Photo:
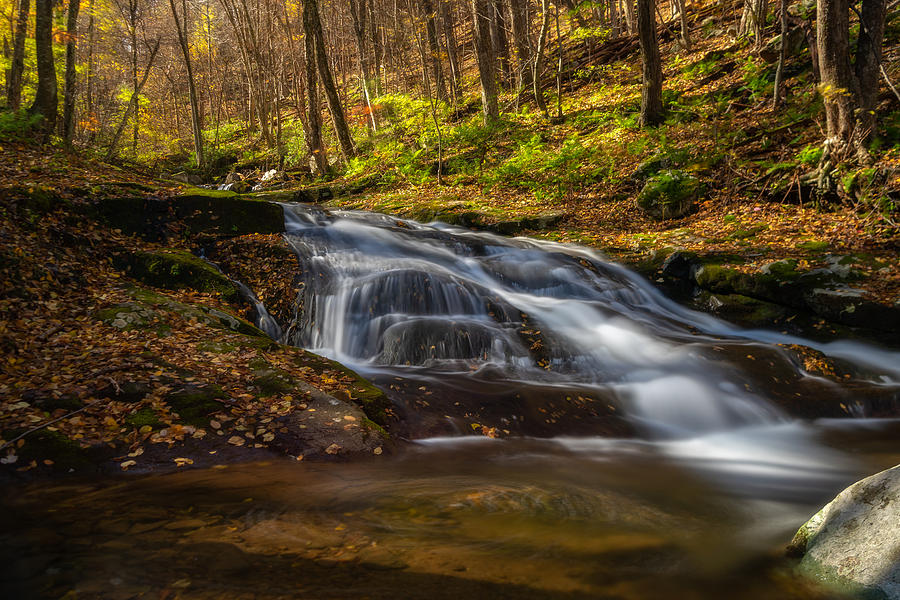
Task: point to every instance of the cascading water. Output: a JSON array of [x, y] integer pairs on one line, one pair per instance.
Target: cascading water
[[538, 338]]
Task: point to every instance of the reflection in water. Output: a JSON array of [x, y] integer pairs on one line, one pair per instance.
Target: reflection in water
[[472, 517]]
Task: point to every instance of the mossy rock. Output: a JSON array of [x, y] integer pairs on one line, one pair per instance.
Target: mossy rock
[[813, 245], [227, 214], [743, 310], [668, 195], [128, 316], [132, 214], [658, 163], [176, 270], [66, 454], [37, 199], [207, 212], [194, 404], [374, 403]]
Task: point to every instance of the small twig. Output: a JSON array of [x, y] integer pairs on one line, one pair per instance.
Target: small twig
[[115, 385], [47, 424], [888, 81]]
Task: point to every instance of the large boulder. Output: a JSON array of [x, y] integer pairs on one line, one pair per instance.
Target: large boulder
[[853, 544]]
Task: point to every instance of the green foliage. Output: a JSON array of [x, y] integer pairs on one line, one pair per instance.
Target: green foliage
[[810, 156], [549, 173], [17, 125], [757, 79], [669, 194]]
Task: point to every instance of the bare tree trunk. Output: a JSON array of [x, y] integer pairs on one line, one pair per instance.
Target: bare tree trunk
[[539, 57], [17, 67], [630, 20], [377, 49], [89, 76], [427, 86], [437, 66], [868, 68], [839, 85], [499, 39], [753, 19], [314, 120], [559, 66], [132, 33], [651, 91], [68, 127], [519, 9], [681, 7], [359, 14], [46, 99], [312, 25], [192, 88], [487, 60], [777, 95], [452, 47]]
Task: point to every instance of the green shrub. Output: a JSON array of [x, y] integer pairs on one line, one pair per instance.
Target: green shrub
[[17, 125]]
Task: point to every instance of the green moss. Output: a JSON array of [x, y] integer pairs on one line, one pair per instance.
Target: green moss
[[194, 405], [143, 417], [813, 245], [272, 381], [217, 347], [206, 193], [176, 269], [65, 453], [370, 399], [783, 269]]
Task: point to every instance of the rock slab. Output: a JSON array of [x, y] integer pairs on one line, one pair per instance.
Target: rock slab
[[853, 543]]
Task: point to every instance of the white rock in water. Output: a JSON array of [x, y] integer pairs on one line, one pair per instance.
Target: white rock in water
[[853, 543]]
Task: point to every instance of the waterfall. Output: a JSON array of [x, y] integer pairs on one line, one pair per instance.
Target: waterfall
[[388, 296]]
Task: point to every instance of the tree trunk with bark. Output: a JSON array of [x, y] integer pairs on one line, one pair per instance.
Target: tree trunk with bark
[[181, 25], [651, 90], [314, 120], [359, 14], [312, 26], [434, 49], [452, 47], [46, 98], [522, 42], [499, 39], [539, 57], [487, 60], [68, 128], [753, 20], [17, 67]]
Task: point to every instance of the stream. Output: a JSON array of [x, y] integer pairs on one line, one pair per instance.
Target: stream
[[571, 432]]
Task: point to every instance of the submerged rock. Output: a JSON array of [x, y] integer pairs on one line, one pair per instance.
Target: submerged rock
[[853, 543]]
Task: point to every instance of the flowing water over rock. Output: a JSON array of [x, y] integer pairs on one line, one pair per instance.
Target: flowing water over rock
[[650, 451], [535, 338]]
